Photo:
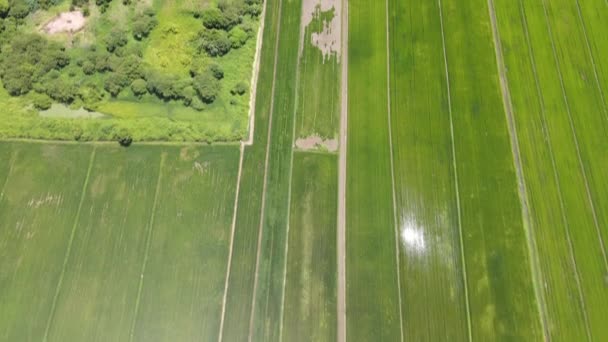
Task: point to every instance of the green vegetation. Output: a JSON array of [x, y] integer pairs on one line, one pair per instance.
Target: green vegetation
[[111, 241], [310, 289], [164, 54], [372, 292], [38, 203], [501, 291], [555, 125], [431, 267], [319, 83]]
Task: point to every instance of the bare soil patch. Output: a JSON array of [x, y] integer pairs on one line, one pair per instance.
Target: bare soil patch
[[315, 142], [329, 39], [66, 22]]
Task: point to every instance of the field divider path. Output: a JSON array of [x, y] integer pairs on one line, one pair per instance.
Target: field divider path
[[456, 186], [341, 228], [232, 231], [574, 133], [148, 243], [521, 180], [593, 64], [265, 183], [69, 248], [293, 140], [390, 145]]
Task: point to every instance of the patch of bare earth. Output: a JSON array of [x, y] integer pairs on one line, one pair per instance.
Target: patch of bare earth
[[315, 142], [66, 22], [329, 39]]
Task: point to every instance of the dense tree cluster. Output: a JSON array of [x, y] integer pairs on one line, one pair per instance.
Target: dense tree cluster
[[85, 76]]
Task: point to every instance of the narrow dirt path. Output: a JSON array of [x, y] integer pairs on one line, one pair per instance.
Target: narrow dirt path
[[521, 182], [341, 231], [392, 159]]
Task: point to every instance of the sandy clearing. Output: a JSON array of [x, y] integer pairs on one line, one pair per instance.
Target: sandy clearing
[[330, 38], [65, 22], [315, 142]]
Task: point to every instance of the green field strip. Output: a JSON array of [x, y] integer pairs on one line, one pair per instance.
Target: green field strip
[[182, 293], [242, 270], [585, 104], [266, 314], [310, 292], [318, 103], [68, 252], [102, 273], [432, 282], [7, 155], [502, 299], [594, 14], [372, 292], [37, 213], [580, 101], [547, 152]]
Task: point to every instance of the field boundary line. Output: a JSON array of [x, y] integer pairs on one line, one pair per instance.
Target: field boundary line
[[565, 97], [69, 248], [456, 186], [8, 173], [593, 64], [554, 164], [265, 183], [573, 127], [342, 168], [519, 170], [148, 243], [293, 139], [114, 143], [390, 144], [232, 231], [254, 77]]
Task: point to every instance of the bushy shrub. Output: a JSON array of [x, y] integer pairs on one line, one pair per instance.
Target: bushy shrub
[[239, 89], [207, 87]]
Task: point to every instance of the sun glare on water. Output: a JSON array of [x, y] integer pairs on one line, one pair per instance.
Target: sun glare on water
[[412, 236]]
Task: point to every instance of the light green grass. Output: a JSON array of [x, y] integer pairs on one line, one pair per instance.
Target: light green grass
[[99, 290], [37, 212], [310, 289], [558, 203], [271, 272], [185, 269], [371, 277], [319, 85], [240, 287], [432, 275], [501, 292]]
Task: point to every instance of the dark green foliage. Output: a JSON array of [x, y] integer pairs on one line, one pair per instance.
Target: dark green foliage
[[214, 42], [139, 87], [161, 85], [217, 71], [42, 102], [115, 82], [238, 37], [214, 18], [143, 25], [26, 59], [116, 39], [207, 87], [239, 89]]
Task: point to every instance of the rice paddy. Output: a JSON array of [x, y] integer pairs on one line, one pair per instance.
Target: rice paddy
[[474, 205]]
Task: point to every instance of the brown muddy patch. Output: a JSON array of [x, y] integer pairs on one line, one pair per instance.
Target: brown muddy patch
[[315, 142]]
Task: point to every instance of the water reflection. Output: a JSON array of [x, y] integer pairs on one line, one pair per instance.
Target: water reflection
[[412, 236]]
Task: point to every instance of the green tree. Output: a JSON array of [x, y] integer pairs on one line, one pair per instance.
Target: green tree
[[207, 87], [139, 87]]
